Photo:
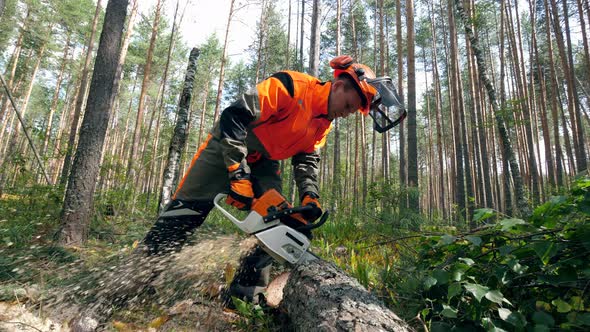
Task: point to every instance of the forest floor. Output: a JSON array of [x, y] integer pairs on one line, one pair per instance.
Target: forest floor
[[185, 296]]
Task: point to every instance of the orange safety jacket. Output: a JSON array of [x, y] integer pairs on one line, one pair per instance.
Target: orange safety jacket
[[293, 118], [284, 116]]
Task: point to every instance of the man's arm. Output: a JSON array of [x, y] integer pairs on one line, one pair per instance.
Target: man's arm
[[306, 171]]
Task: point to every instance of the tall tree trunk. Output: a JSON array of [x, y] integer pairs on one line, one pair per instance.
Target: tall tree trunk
[[438, 103], [414, 203], [180, 133], [553, 100], [522, 93], [572, 96], [152, 167], [124, 49], [223, 56], [400, 80], [79, 99], [288, 46], [262, 32], [523, 207], [143, 94], [581, 157], [336, 171], [55, 99], [455, 110], [79, 199], [314, 42], [11, 143], [13, 63], [551, 169], [302, 31]]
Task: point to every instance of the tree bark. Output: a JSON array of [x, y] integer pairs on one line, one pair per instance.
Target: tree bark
[[319, 296], [56, 94], [142, 95], [79, 100], [222, 69], [414, 203], [400, 81], [79, 199], [314, 47], [508, 152], [180, 134]]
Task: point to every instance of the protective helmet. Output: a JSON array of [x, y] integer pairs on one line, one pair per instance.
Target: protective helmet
[[377, 94], [359, 73]]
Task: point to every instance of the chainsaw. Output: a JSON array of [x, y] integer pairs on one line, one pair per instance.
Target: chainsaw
[[284, 243]]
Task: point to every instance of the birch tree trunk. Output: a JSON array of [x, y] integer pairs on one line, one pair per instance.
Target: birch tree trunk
[[180, 134]]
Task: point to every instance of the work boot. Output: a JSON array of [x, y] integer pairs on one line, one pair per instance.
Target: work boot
[[252, 277], [173, 227]]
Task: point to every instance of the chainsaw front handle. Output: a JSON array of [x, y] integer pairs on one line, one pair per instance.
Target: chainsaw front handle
[[311, 226]]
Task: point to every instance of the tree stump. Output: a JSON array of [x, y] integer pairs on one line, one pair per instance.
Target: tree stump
[[320, 297]]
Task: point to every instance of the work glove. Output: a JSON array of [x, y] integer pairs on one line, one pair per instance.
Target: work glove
[[311, 199], [241, 194]]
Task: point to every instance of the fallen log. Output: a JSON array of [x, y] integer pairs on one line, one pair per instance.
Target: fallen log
[[318, 296]]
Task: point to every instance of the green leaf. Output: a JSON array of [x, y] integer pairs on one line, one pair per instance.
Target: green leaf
[[441, 276], [454, 289], [584, 318], [449, 312], [429, 282], [517, 319], [483, 214], [567, 274], [504, 313], [477, 290], [561, 305], [488, 324], [425, 312], [476, 240], [543, 318], [507, 224], [467, 260], [577, 303], [505, 250], [517, 267], [447, 239], [545, 250], [541, 328], [497, 297], [540, 305], [440, 327]]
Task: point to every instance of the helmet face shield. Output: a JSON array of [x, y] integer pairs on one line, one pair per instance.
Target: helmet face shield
[[385, 99], [386, 91]]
